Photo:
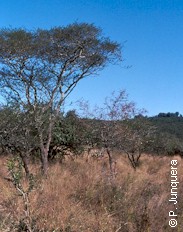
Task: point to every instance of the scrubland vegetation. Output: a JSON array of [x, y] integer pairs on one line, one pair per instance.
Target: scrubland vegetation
[[105, 169], [81, 196]]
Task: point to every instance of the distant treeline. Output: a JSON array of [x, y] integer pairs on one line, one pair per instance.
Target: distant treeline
[[169, 115], [169, 131]]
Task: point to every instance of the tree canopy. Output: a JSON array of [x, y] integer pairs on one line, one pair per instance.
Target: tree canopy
[[37, 66]]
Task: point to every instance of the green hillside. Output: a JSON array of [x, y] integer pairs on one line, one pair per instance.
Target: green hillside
[[169, 131]]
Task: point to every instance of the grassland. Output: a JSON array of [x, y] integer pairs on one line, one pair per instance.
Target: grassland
[[81, 196]]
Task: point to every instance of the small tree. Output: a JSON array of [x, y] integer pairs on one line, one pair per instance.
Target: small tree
[[137, 138], [40, 68], [15, 168], [108, 124], [16, 133]]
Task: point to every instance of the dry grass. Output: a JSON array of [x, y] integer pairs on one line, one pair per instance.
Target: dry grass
[[79, 196]]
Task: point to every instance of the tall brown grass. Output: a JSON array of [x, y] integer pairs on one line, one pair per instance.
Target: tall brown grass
[[80, 196]]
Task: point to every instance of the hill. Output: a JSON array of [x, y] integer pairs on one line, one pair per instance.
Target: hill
[[170, 125], [169, 131]]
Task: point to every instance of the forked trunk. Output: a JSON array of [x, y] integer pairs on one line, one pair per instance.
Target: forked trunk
[[24, 158]]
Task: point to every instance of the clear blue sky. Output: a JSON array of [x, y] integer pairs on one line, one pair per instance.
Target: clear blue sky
[[153, 30]]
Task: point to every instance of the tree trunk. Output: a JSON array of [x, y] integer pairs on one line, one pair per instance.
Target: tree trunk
[[110, 163], [44, 146], [24, 158], [44, 160]]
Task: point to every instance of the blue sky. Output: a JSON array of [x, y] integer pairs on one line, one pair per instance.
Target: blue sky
[[152, 29]]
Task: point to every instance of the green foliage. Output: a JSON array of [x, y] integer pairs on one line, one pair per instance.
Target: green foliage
[[171, 125], [176, 114], [169, 136], [68, 133], [15, 168], [17, 133], [16, 171]]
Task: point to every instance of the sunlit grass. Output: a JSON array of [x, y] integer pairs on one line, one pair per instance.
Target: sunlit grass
[[80, 196]]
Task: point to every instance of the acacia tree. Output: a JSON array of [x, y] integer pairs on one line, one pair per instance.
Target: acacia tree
[[137, 139], [39, 69], [126, 128], [108, 125]]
